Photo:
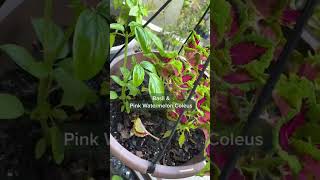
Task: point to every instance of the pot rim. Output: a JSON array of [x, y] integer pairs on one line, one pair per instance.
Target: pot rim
[[141, 165], [308, 37], [8, 7]]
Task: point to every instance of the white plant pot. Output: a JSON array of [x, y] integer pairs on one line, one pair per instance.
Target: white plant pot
[[132, 46], [168, 16], [311, 39]]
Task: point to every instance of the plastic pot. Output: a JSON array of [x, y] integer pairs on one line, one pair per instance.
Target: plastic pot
[[132, 46], [308, 37], [137, 163]]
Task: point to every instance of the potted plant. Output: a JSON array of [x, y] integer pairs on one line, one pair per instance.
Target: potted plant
[[159, 79], [283, 145], [53, 88]]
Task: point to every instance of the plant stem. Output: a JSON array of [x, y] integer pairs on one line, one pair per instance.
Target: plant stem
[[126, 50], [123, 89], [153, 136]]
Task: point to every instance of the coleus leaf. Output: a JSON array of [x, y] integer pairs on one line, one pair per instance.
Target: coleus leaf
[[313, 113], [140, 130], [245, 52], [308, 131], [303, 148], [292, 160], [301, 86], [220, 12]]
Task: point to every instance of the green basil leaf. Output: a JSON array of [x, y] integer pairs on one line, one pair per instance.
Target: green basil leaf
[[156, 40], [103, 8], [130, 3], [138, 75], [117, 80], [125, 72], [55, 37], [10, 107], [133, 90], [117, 26], [134, 11], [59, 114], [90, 45], [117, 3], [113, 95], [75, 92], [142, 38], [112, 39], [22, 58], [148, 66], [156, 86], [41, 147], [115, 177], [57, 144]]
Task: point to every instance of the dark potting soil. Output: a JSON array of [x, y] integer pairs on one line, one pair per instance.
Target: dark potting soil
[[157, 124], [19, 137]]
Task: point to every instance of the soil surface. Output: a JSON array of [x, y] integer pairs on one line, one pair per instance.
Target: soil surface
[[157, 124]]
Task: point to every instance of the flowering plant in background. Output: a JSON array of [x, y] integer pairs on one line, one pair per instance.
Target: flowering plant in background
[[245, 47]]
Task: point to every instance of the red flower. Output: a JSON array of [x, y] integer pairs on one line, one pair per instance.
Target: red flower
[[244, 53]]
